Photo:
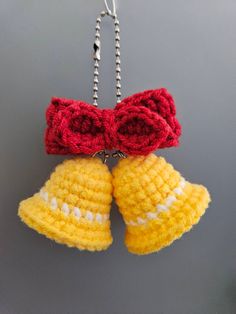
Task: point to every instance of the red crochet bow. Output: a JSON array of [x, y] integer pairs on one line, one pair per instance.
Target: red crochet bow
[[137, 126]]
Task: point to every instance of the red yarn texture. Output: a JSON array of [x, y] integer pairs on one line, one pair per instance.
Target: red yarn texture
[[137, 126]]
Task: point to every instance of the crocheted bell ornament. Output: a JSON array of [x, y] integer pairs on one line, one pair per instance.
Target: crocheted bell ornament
[[158, 205], [73, 206], [137, 126]]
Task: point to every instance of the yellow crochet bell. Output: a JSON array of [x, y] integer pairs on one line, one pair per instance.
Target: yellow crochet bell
[[157, 203], [73, 206]]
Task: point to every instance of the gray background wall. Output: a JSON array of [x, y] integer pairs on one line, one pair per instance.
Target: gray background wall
[[188, 47]]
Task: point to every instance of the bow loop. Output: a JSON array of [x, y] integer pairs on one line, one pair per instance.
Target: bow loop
[[160, 102], [74, 127]]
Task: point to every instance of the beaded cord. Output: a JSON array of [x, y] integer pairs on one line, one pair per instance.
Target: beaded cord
[[97, 55]]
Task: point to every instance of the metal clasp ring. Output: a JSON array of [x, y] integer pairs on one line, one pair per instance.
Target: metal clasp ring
[[110, 12]]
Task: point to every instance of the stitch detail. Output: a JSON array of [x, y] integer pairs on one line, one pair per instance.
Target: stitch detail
[[77, 212], [161, 207]]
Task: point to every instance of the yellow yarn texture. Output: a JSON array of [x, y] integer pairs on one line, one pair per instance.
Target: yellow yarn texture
[[73, 207], [158, 205]]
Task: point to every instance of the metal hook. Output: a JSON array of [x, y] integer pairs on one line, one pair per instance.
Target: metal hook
[[118, 154], [103, 154], [109, 11]]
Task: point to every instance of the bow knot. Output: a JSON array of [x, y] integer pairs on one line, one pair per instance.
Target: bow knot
[[136, 126]]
